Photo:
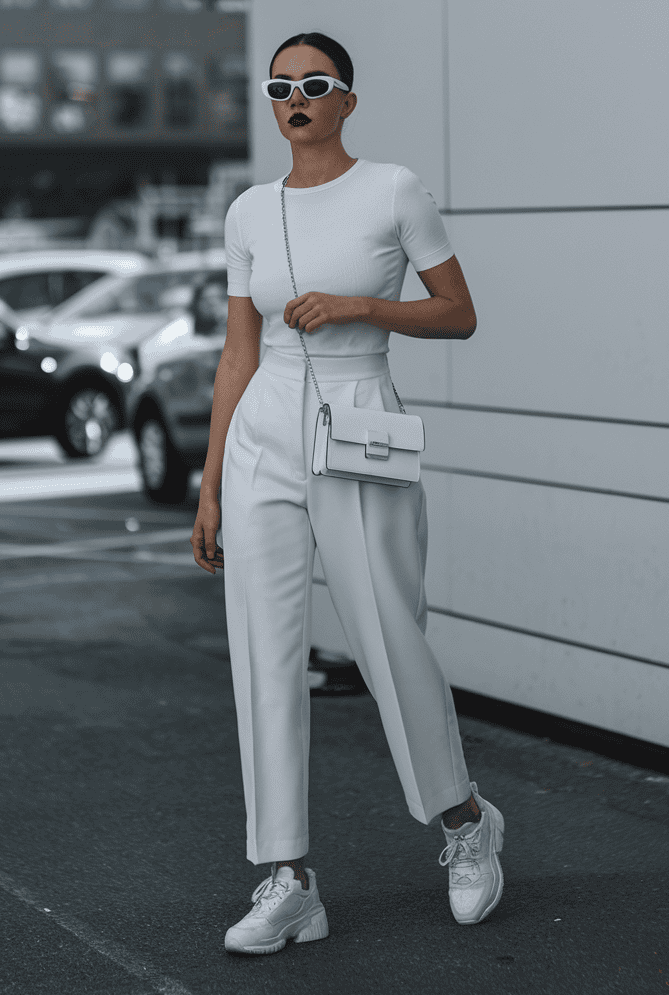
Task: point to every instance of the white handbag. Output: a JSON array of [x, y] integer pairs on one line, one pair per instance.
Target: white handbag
[[362, 443]]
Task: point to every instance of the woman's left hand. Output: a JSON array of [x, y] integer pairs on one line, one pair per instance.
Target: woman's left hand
[[314, 309]]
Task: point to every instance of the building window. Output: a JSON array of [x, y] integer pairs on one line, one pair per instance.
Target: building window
[[73, 85], [227, 88], [20, 104], [128, 77], [180, 88]]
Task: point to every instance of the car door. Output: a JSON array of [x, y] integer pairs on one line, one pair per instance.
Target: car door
[[186, 388], [119, 312], [25, 389]]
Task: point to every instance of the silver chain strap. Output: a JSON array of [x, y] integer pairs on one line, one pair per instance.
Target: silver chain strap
[[290, 264]]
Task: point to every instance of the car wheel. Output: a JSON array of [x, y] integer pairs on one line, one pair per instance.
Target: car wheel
[[164, 473], [87, 422]]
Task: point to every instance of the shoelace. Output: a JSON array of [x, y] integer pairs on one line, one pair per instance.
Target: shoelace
[[266, 894], [462, 848]]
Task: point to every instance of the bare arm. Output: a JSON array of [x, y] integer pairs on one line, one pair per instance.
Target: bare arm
[[238, 362], [448, 314]]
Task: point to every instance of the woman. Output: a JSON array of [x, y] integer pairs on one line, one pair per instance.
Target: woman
[[352, 226]]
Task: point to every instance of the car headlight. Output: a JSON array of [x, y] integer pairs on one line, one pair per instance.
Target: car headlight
[[125, 372], [109, 362]]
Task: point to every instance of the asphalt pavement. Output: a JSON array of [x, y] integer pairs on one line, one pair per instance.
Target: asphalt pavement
[[122, 843]]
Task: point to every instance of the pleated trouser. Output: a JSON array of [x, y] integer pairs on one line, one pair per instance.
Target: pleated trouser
[[372, 542]]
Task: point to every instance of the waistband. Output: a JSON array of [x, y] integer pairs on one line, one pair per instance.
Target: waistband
[[325, 367]]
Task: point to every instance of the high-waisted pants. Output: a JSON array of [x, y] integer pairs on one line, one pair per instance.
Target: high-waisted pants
[[372, 542]]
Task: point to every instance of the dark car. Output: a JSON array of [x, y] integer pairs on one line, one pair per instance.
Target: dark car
[[49, 388]]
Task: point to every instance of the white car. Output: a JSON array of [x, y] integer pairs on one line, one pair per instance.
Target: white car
[[172, 305], [134, 323], [32, 283]]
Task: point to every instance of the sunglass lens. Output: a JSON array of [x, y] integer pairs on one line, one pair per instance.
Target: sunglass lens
[[315, 87], [279, 91]]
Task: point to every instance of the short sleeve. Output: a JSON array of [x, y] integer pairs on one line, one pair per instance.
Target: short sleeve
[[418, 223], [237, 259]]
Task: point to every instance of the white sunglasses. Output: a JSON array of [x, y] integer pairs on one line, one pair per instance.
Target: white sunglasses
[[314, 86]]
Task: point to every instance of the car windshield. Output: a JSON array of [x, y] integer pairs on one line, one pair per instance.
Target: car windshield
[[154, 292]]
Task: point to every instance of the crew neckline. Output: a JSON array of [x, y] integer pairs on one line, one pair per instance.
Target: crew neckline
[[320, 186]]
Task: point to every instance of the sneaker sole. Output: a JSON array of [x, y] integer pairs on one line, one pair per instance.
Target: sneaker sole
[[316, 929]]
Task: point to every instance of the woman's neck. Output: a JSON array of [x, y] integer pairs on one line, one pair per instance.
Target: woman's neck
[[314, 176]]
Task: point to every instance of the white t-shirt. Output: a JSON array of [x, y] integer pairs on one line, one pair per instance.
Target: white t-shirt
[[351, 237]]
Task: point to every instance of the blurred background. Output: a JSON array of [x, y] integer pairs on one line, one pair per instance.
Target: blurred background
[[129, 126], [124, 122]]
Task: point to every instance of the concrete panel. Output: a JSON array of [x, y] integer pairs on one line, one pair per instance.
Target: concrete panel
[[633, 459], [569, 564], [557, 104], [572, 312], [418, 367], [596, 688]]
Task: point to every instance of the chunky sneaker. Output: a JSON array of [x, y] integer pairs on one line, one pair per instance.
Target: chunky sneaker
[[475, 878], [283, 910]]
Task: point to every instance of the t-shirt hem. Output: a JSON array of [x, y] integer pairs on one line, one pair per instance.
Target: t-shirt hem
[[433, 258]]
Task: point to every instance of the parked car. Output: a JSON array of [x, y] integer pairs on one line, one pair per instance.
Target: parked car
[[169, 411], [123, 325], [133, 312], [33, 283], [72, 393]]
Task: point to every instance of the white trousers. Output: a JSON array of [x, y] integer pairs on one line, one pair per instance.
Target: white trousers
[[372, 542]]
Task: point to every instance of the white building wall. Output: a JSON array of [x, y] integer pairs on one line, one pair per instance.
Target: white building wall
[[541, 130]]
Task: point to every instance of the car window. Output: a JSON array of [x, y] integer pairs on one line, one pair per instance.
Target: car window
[[45, 289], [64, 283], [151, 293], [27, 290], [76, 280]]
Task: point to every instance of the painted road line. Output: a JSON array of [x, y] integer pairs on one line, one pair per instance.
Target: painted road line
[[13, 550], [114, 951], [143, 515], [41, 486]]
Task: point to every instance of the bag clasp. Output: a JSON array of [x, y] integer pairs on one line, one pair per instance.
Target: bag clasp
[[376, 446]]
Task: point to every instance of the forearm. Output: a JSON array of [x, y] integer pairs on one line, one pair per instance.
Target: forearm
[[231, 381], [430, 318]]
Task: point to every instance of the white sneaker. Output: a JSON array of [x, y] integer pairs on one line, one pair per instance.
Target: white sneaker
[[475, 878], [283, 910]]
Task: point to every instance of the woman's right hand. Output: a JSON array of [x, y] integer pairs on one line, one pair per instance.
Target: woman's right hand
[[208, 554]]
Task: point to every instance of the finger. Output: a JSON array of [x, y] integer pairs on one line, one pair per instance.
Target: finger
[[203, 563]]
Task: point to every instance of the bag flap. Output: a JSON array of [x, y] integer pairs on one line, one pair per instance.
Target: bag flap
[[348, 424]]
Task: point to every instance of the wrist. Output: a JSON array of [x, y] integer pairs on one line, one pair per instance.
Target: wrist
[[363, 308], [208, 495]]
